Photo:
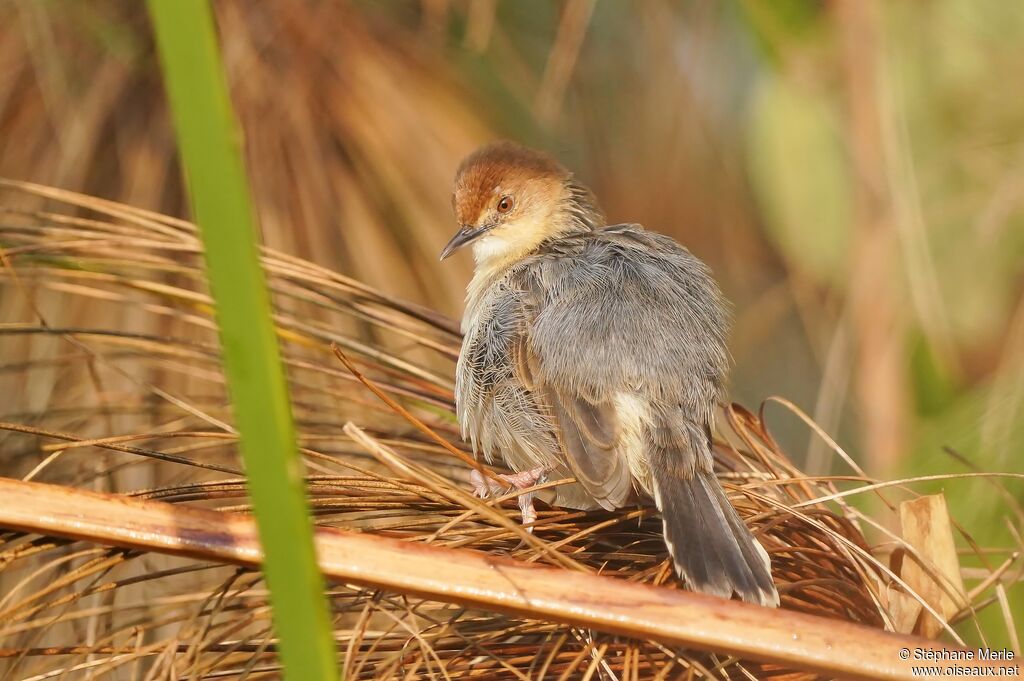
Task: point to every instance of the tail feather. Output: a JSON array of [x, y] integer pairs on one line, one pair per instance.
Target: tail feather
[[710, 545]]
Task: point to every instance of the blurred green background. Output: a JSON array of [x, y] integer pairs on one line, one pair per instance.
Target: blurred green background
[[852, 170]]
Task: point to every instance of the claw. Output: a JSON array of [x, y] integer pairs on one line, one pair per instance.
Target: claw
[[484, 487]]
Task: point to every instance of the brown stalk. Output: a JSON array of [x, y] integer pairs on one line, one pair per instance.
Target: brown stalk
[[879, 322], [404, 413], [475, 579]]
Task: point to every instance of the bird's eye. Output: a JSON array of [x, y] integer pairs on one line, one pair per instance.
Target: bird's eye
[[504, 204]]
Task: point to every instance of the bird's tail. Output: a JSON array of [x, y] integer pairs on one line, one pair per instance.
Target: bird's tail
[[710, 545]]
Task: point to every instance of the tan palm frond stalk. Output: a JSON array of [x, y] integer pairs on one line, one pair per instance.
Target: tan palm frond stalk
[[518, 589], [129, 399]]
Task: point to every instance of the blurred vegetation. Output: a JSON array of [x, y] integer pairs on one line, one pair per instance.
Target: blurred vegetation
[[853, 171]]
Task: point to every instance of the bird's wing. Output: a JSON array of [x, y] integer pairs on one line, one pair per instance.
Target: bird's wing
[[628, 326], [498, 408], [588, 433]]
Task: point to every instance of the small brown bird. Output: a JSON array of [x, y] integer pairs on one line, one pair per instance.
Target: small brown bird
[[596, 352]]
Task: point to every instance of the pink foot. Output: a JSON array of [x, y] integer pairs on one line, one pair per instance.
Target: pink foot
[[522, 480]]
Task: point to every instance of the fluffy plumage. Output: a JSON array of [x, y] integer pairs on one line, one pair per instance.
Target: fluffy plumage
[[598, 352]]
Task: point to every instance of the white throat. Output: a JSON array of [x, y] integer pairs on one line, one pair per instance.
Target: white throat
[[491, 250], [510, 243]]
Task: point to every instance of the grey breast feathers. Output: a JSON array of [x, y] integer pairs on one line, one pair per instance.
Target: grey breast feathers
[[574, 351]]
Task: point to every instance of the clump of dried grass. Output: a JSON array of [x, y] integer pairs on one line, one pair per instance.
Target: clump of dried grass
[[328, 99], [125, 394]]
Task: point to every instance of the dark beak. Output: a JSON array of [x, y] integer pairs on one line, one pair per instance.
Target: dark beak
[[462, 237]]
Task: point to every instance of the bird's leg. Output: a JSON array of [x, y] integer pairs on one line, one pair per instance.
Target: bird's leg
[[483, 487], [526, 510], [522, 480]]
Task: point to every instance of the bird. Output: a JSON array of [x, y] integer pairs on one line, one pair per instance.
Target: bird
[[599, 353]]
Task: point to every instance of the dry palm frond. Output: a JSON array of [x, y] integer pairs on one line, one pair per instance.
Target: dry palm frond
[[130, 399], [485, 582]]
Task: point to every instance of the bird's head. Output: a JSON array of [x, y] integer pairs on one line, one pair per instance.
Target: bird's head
[[508, 199]]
